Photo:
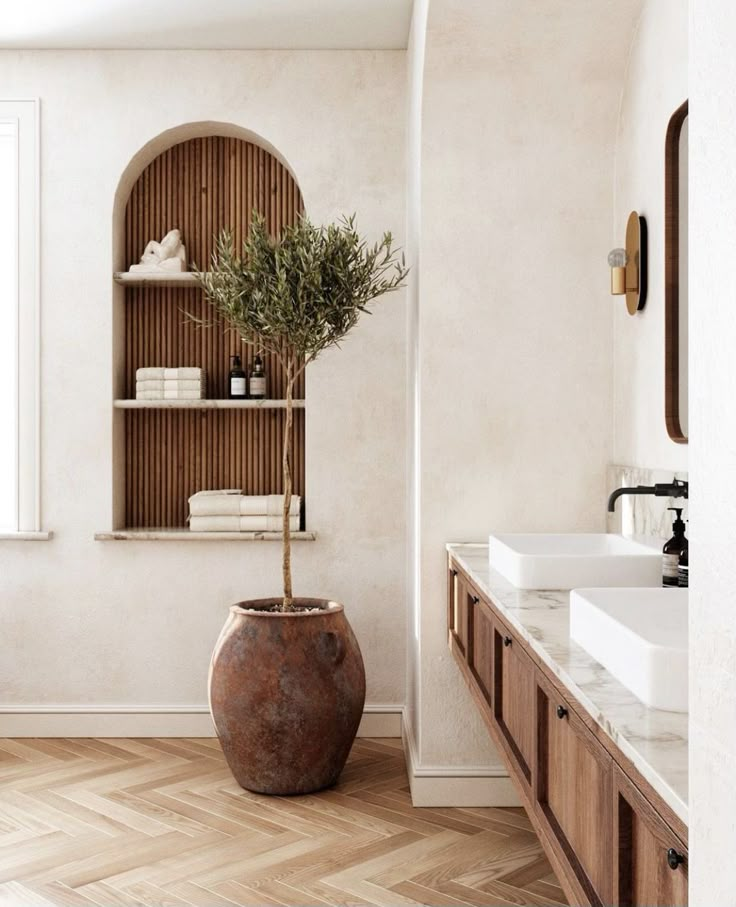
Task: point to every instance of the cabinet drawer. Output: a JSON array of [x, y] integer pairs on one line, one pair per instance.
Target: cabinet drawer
[[513, 698], [574, 793], [650, 862]]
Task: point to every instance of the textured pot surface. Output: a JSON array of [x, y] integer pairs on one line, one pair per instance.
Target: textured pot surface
[[287, 694]]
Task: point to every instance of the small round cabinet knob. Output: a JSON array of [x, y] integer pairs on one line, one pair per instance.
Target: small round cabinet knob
[[674, 858], [507, 640], [454, 572], [475, 599], [561, 711]]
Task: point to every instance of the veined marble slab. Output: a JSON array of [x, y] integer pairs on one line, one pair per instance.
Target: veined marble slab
[[186, 535], [656, 742], [206, 404]]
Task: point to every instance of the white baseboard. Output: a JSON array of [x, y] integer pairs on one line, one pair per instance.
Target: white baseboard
[[447, 785], [150, 721], [463, 791], [105, 721], [381, 721]]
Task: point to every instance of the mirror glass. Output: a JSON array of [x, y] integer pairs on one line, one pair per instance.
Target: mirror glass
[[682, 295], [675, 276]]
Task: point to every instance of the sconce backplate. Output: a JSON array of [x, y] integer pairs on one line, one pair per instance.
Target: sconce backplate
[[636, 268]]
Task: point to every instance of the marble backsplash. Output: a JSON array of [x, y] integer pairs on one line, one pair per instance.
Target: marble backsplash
[[643, 514]]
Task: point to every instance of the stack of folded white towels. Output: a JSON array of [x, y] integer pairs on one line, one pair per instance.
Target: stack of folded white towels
[[170, 384], [227, 510]]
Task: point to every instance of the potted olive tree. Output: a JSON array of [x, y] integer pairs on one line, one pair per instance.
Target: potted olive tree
[[287, 684]]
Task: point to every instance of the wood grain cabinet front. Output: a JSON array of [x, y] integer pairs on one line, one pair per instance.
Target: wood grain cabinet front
[[605, 839], [573, 795], [513, 699], [480, 655], [650, 862], [458, 589]]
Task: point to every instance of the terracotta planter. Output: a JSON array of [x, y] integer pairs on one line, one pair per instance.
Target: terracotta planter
[[286, 694]]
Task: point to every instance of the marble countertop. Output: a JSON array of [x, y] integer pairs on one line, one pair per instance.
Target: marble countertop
[[656, 742]]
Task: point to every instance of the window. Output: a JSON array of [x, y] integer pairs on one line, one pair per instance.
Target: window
[[19, 409]]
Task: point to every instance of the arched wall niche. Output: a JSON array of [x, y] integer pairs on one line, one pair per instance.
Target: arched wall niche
[[163, 142], [199, 178]]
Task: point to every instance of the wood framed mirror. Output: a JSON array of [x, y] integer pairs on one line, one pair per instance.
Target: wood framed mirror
[[675, 279]]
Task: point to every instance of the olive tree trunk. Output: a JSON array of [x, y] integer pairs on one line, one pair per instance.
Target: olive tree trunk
[[286, 466]]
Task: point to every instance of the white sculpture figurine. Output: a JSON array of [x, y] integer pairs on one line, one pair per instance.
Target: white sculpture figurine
[[168, 255]]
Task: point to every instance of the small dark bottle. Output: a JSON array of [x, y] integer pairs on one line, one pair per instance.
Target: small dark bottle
[[673, 550], [258, 380], [236, 389], [683, 579]]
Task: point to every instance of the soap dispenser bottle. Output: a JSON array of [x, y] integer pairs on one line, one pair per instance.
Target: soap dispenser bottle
[[236, 381], [673, 550], [258, 380]]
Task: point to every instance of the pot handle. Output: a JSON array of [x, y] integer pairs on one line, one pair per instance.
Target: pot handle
[[335, 647]]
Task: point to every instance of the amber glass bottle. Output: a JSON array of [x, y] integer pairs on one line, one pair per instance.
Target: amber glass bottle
[[672, 551], [236, 389], [258, 380]]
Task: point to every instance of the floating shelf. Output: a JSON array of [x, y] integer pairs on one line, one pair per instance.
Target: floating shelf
[[152, 278], [206, 404], [182, 534]]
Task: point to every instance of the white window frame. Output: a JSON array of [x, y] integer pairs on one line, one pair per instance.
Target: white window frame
[[25, 113]]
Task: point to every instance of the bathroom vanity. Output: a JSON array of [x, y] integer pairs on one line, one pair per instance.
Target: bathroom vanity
[[602, 777]]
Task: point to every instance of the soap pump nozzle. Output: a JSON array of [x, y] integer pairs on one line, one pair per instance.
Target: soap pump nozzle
[[678, 525]]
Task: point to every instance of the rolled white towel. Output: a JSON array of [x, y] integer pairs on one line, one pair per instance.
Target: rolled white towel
[[240, 524], [225, 504], [142, 374]]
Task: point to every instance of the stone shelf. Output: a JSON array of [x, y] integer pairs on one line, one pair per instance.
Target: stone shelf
[[206, 404], [151, 278], [183, 534]]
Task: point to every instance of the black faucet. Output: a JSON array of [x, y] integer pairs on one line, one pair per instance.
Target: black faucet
[[675, 489]]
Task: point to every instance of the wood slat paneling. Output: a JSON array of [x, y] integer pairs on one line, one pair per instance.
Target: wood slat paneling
[[200, 186]]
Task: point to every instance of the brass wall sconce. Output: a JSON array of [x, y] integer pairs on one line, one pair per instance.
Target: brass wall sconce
[[629, 265]]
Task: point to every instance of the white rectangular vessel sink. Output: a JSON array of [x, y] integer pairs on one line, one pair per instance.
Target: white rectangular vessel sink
[[640, 636], [564, 561]]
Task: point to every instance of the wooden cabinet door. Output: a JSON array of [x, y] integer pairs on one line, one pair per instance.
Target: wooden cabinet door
[[650, 861], [480, 653], [458, 598], [513, 698], [573, 792]]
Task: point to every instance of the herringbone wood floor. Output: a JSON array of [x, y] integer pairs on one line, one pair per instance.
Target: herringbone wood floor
[[161, 822]]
